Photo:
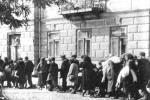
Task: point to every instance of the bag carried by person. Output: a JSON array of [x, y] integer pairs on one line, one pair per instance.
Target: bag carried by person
[[7, 69], [71, 78], [148, 86], [35, 72]]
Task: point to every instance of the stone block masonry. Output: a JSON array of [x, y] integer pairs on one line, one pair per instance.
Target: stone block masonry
[[138, 33], [137, 24]]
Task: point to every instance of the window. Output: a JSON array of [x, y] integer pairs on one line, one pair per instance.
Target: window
[[84, 42], [118, 40], [53, 44]]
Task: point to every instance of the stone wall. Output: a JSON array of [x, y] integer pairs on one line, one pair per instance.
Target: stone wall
[[26, 40], [138, 32], [67, 30], [27, 36], [137, 23], [3, 41]]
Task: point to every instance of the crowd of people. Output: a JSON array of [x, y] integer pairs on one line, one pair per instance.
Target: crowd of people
[[127, 76], [17, 72]]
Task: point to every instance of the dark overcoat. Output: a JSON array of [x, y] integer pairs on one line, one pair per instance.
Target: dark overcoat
[[88, 76]]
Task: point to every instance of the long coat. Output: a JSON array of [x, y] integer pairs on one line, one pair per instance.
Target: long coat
[[144, 72], [20, 67], [53, 73], [73, 71], [88, 76], [1, 64], [64, 68], [42, 73], [28, 67]]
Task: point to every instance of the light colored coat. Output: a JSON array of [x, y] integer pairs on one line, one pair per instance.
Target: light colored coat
[[73, 70]]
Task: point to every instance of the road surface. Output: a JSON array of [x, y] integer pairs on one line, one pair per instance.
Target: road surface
[[36, 94]]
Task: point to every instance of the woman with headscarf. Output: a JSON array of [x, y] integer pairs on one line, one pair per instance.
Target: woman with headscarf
[[127, 77], [111, 68], [88, 76]]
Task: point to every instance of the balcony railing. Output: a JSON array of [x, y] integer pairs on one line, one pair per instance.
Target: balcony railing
[[81, 6]]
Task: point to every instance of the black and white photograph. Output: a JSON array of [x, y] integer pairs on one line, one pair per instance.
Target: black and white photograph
[[74, 49]]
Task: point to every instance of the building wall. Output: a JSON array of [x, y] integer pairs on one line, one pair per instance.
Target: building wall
[[137, 23], [26, 40], [34, 40], [138, 32], [127, 5], [3, 41]]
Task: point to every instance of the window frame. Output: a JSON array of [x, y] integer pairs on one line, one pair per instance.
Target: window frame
[[53, 41], [111, 36], [84, 39]]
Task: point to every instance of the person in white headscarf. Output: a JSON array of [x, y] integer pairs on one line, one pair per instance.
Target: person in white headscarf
[[111, 68], [127, 77]]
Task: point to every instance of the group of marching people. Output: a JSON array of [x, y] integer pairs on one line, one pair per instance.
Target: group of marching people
[[126, 76], [17, 72]]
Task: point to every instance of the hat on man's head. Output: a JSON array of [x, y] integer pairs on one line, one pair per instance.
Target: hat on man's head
[[20, 58], [142, 54], [26, 58], [63, 56], [129, 55], [75, 56], [52, 58]]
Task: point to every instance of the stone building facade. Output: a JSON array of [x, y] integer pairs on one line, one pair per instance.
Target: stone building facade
[[122, 27], [15, 43], [110, 26]]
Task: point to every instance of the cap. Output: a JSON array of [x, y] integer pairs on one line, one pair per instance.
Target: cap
[[52, 58], [75, 56], [142, 53], [63, 56]]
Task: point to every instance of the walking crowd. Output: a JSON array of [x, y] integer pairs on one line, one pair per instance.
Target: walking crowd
[[127, 76]]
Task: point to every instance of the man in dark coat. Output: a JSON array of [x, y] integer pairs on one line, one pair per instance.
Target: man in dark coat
[[144, 75], [28, 71], [1, 63], [64, 71], [20, 67], [53, 74]]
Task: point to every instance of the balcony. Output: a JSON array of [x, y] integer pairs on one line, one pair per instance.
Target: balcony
[[82, 7]]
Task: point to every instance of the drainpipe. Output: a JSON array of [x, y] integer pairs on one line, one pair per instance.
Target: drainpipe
[[39, 22], [149, 34]]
